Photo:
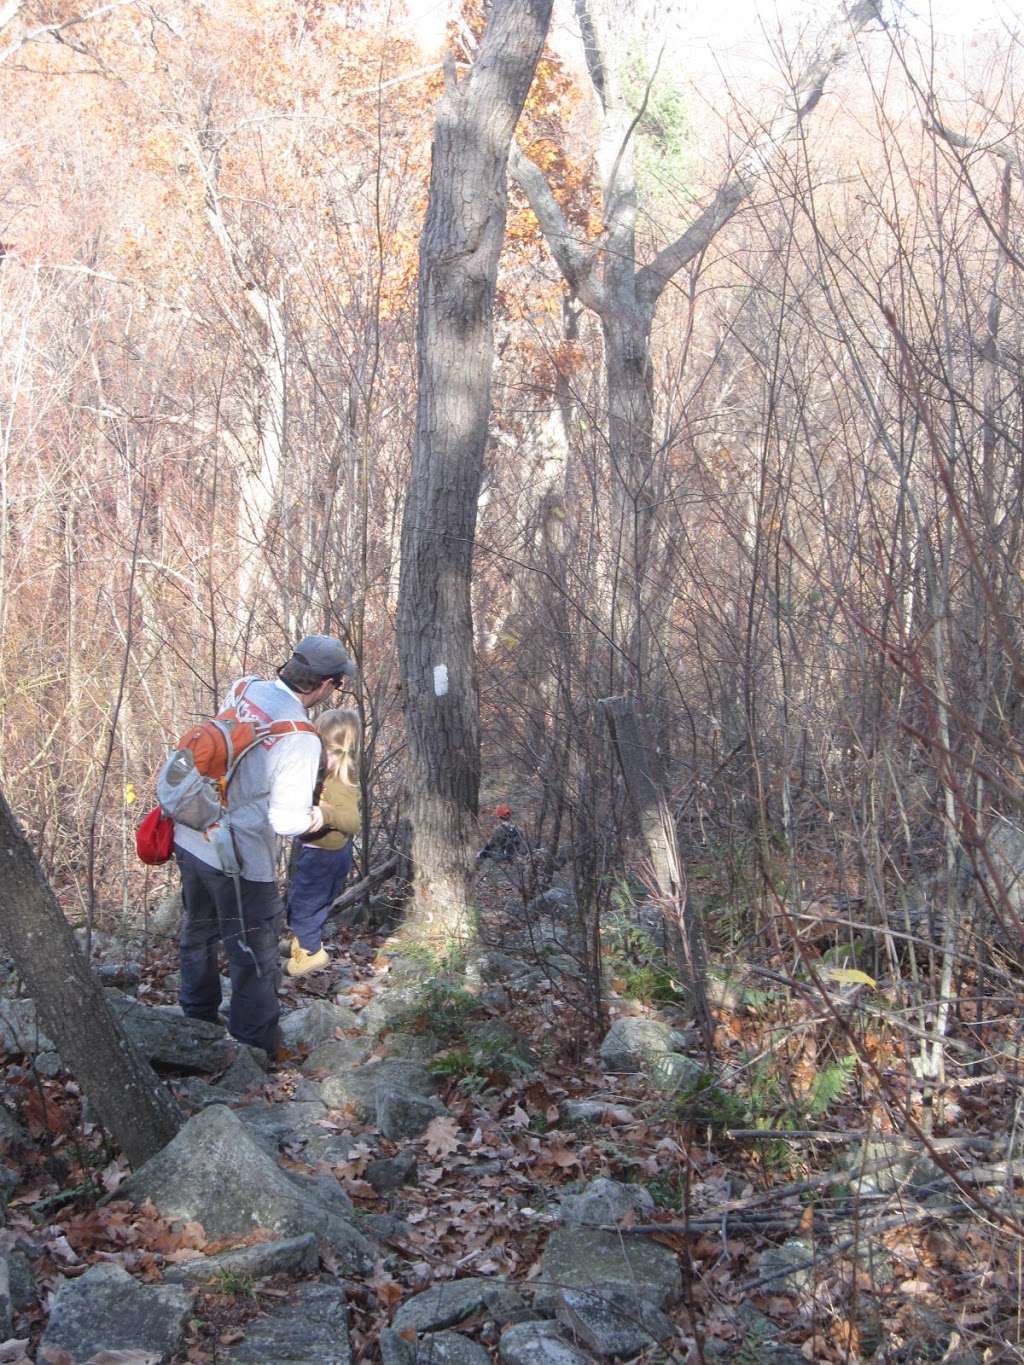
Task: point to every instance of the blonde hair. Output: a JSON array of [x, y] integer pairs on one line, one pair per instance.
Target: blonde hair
[[340, 734]]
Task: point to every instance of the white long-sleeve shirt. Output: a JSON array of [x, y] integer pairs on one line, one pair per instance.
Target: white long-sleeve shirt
[[271, 791]]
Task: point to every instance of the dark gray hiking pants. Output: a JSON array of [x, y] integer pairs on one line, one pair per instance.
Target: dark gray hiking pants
[[210, 916]]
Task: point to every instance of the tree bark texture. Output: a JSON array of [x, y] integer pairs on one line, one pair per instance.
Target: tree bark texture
[[130, 1099], [686, 932], [459, 249]]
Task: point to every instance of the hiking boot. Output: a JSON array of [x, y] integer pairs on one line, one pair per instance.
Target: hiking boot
[[302, 963]]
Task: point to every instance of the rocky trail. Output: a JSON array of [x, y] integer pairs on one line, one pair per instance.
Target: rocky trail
[[450, 1173]]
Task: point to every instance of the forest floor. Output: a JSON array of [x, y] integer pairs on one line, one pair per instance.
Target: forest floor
[[791, 1246]]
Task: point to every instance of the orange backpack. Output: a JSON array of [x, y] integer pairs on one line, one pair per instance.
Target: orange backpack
[[192, 785]]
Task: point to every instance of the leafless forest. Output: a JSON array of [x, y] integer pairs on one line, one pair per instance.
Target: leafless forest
[[755, 459]]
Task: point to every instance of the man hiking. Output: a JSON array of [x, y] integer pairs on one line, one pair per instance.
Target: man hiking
[[269, 794]]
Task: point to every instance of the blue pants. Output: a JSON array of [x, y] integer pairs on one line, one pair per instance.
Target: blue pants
[[318, 875], [210, 917]]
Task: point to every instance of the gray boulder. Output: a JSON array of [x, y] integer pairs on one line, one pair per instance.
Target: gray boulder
[[398, 1096], [497, 968], [106, 1310], [413, 1047], [325, 1190], [538, 1343], [562, 964], [336, 1055], [595, 1111], [315, 1023], [604, 1202], [395, 1350], [294, 1256], [570, 1261], [505, 1304], [327, 1148], [495, 998], [391, 1172], [164, 1035], [274, 1125], [357, 1088], [20, 1030], [312, 1325], [165, 921], [900, 1167], [450, 1348], [552, 922], [403, 1115], [247, 1072], [195, 1093], [635, 1044], [613, 1320], [788, 1265], [300, 1125], [21, 1280], [442, 1305], [555, 903], [216, 1173], [677, 1074], [117, 973], [388, 1008], [386, 1227], [13, 1137]]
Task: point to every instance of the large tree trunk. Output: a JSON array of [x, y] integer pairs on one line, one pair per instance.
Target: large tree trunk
[[459, 249], [629, 378], [127, 1095], [685, 929]]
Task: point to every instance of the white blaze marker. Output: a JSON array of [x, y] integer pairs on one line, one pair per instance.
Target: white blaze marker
[[440, 680]]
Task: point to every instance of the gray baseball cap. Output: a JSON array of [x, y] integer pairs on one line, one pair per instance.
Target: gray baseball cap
[[325, 655]]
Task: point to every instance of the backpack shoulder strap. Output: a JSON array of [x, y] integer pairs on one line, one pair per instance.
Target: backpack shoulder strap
[[237, 691], [291, 727], [262, 732]]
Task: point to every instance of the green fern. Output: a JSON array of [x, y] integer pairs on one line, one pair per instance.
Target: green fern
[[829, 1085]]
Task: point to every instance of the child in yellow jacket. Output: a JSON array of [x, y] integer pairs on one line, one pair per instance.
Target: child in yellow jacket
[[324, 860]]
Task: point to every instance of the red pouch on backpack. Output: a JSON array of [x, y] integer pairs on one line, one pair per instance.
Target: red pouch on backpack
[[154, 838]]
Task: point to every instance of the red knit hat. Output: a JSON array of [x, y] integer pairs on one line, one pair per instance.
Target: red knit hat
[[503, 812]]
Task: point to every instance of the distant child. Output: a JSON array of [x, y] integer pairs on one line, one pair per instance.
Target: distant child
[[506, 840], [324, 860]]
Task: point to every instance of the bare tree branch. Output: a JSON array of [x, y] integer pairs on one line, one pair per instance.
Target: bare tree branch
[[10, 10], [1013, 166], [1006, 154], [575, 262], [807, 91]]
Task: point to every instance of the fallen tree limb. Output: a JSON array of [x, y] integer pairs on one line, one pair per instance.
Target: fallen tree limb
[[795, 1134], [377, 876]]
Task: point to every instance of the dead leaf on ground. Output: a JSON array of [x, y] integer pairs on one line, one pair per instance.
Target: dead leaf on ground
[[388, 1291], [442, 1136], [560, 1156]]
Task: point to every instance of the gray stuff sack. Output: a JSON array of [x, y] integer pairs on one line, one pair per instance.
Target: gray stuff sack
[[185, 795]]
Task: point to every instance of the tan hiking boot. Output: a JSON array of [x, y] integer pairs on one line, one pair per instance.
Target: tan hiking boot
[[302, 963]]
